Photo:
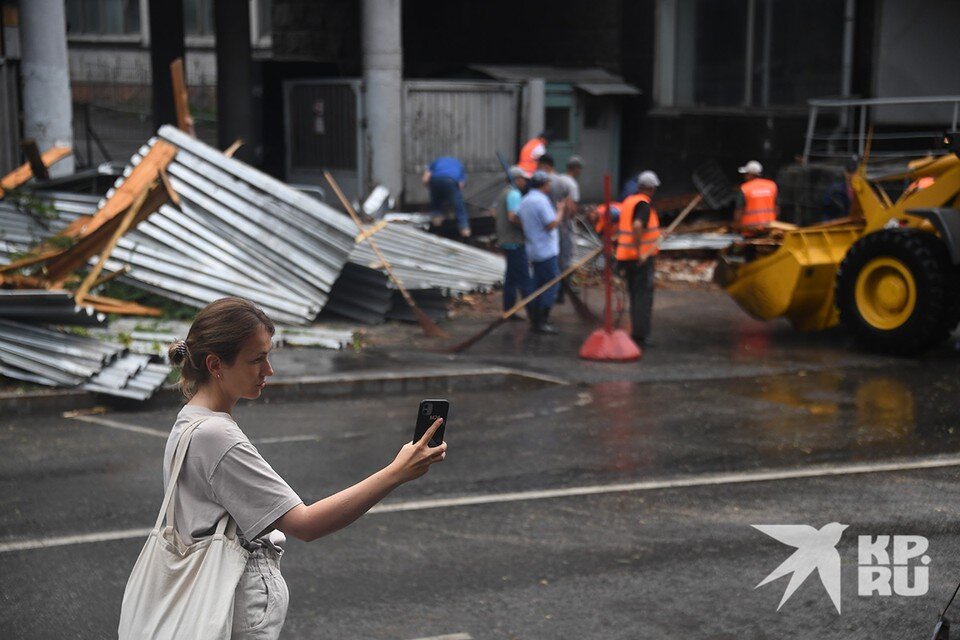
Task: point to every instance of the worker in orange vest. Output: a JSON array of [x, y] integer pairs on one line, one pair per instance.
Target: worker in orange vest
[[757, 206], [598, 217], [532, 150], [638, 243]]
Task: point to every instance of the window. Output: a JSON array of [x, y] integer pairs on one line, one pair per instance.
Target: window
[[557, 122], [264, 19], [198, 17], [103, 17], [754, 53]]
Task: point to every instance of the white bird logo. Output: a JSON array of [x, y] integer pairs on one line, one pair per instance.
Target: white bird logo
[[815, 550]]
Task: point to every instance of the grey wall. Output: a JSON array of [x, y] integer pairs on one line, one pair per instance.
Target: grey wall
[[917, 54]]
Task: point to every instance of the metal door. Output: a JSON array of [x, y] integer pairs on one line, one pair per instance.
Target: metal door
[[323, 132], [468, 120], [560, 118]]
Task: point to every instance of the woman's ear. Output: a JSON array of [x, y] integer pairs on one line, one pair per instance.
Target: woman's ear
[[214, 365]]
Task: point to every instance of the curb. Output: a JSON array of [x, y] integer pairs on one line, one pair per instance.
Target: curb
[[357, 384]]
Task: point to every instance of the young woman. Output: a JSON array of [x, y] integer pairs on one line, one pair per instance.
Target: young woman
[[225, 358]]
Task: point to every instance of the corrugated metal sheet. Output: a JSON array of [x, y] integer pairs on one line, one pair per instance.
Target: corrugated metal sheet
[[237, 232], [425, 261], [53, 358], [33, 306], [468, 120]]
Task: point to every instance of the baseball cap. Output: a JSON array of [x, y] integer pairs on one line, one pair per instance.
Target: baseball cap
[[574, 161], [539, 178], [517, 172], [751, 167], [648, 179]]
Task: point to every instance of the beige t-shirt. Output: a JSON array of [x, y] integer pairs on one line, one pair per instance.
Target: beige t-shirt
[[224, 473]]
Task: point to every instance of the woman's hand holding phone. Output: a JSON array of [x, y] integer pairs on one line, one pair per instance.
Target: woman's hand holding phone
[[415, 458]]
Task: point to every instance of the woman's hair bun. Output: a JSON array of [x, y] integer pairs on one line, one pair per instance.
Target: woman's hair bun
[[178, 353]]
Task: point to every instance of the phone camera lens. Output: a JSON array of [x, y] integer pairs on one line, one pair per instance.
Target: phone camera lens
[[427, 409]]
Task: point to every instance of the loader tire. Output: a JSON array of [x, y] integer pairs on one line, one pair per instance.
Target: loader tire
[[892, 290], [952, 299]]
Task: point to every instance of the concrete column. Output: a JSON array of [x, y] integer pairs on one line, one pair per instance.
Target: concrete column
[[47, 106], [166, 45], [535, 94], [234, 76], [383, 81]]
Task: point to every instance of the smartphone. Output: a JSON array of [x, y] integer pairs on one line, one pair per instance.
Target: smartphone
[[427, 414]]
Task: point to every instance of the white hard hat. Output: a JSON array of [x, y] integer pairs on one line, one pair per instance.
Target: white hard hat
[[648, 179], [753, 167]]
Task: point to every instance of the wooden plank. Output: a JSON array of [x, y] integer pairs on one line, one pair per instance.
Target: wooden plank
[[60, 268], [23, 173], [92, 234], [121, 307], [174, 196], [29, 260], [121, 229], [369, 231], [143, 175], [110, 276], [232, 149], [181, 98]]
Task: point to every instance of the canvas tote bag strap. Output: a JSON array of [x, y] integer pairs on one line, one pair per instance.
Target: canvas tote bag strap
[[227, 526], [181, 453]]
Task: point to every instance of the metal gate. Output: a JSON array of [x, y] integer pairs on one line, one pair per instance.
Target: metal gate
[[322, 124], [468, 120]]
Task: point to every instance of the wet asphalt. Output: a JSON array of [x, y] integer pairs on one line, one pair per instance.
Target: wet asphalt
[[717, 397]]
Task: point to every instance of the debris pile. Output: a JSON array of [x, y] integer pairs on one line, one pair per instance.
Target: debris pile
[[55, 358], [39, 306], [189, 223]]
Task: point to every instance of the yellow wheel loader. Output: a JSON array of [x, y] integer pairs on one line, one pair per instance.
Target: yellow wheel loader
[[889, 273]]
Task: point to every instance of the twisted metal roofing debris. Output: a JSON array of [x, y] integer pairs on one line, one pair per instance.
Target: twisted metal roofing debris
[[237, 232], [426, 261], [47, 307], [54, 358]]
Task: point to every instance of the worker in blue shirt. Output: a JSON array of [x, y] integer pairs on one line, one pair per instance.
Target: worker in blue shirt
[[542, 239], [446, 179], [510, 238]]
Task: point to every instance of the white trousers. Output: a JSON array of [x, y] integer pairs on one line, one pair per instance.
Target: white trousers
[[260, 603]]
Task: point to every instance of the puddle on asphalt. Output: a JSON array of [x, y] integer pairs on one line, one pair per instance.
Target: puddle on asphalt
[[774, 420]]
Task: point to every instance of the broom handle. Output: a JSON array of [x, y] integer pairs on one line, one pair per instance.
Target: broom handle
[[683, 214], [520, 305], [373, 245]]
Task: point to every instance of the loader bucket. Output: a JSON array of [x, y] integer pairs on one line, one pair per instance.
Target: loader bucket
[[796, 281]]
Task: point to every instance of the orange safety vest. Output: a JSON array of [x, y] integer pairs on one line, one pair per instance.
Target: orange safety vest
[[760, 203], [626, 239], [527, 162], [602, 217]]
